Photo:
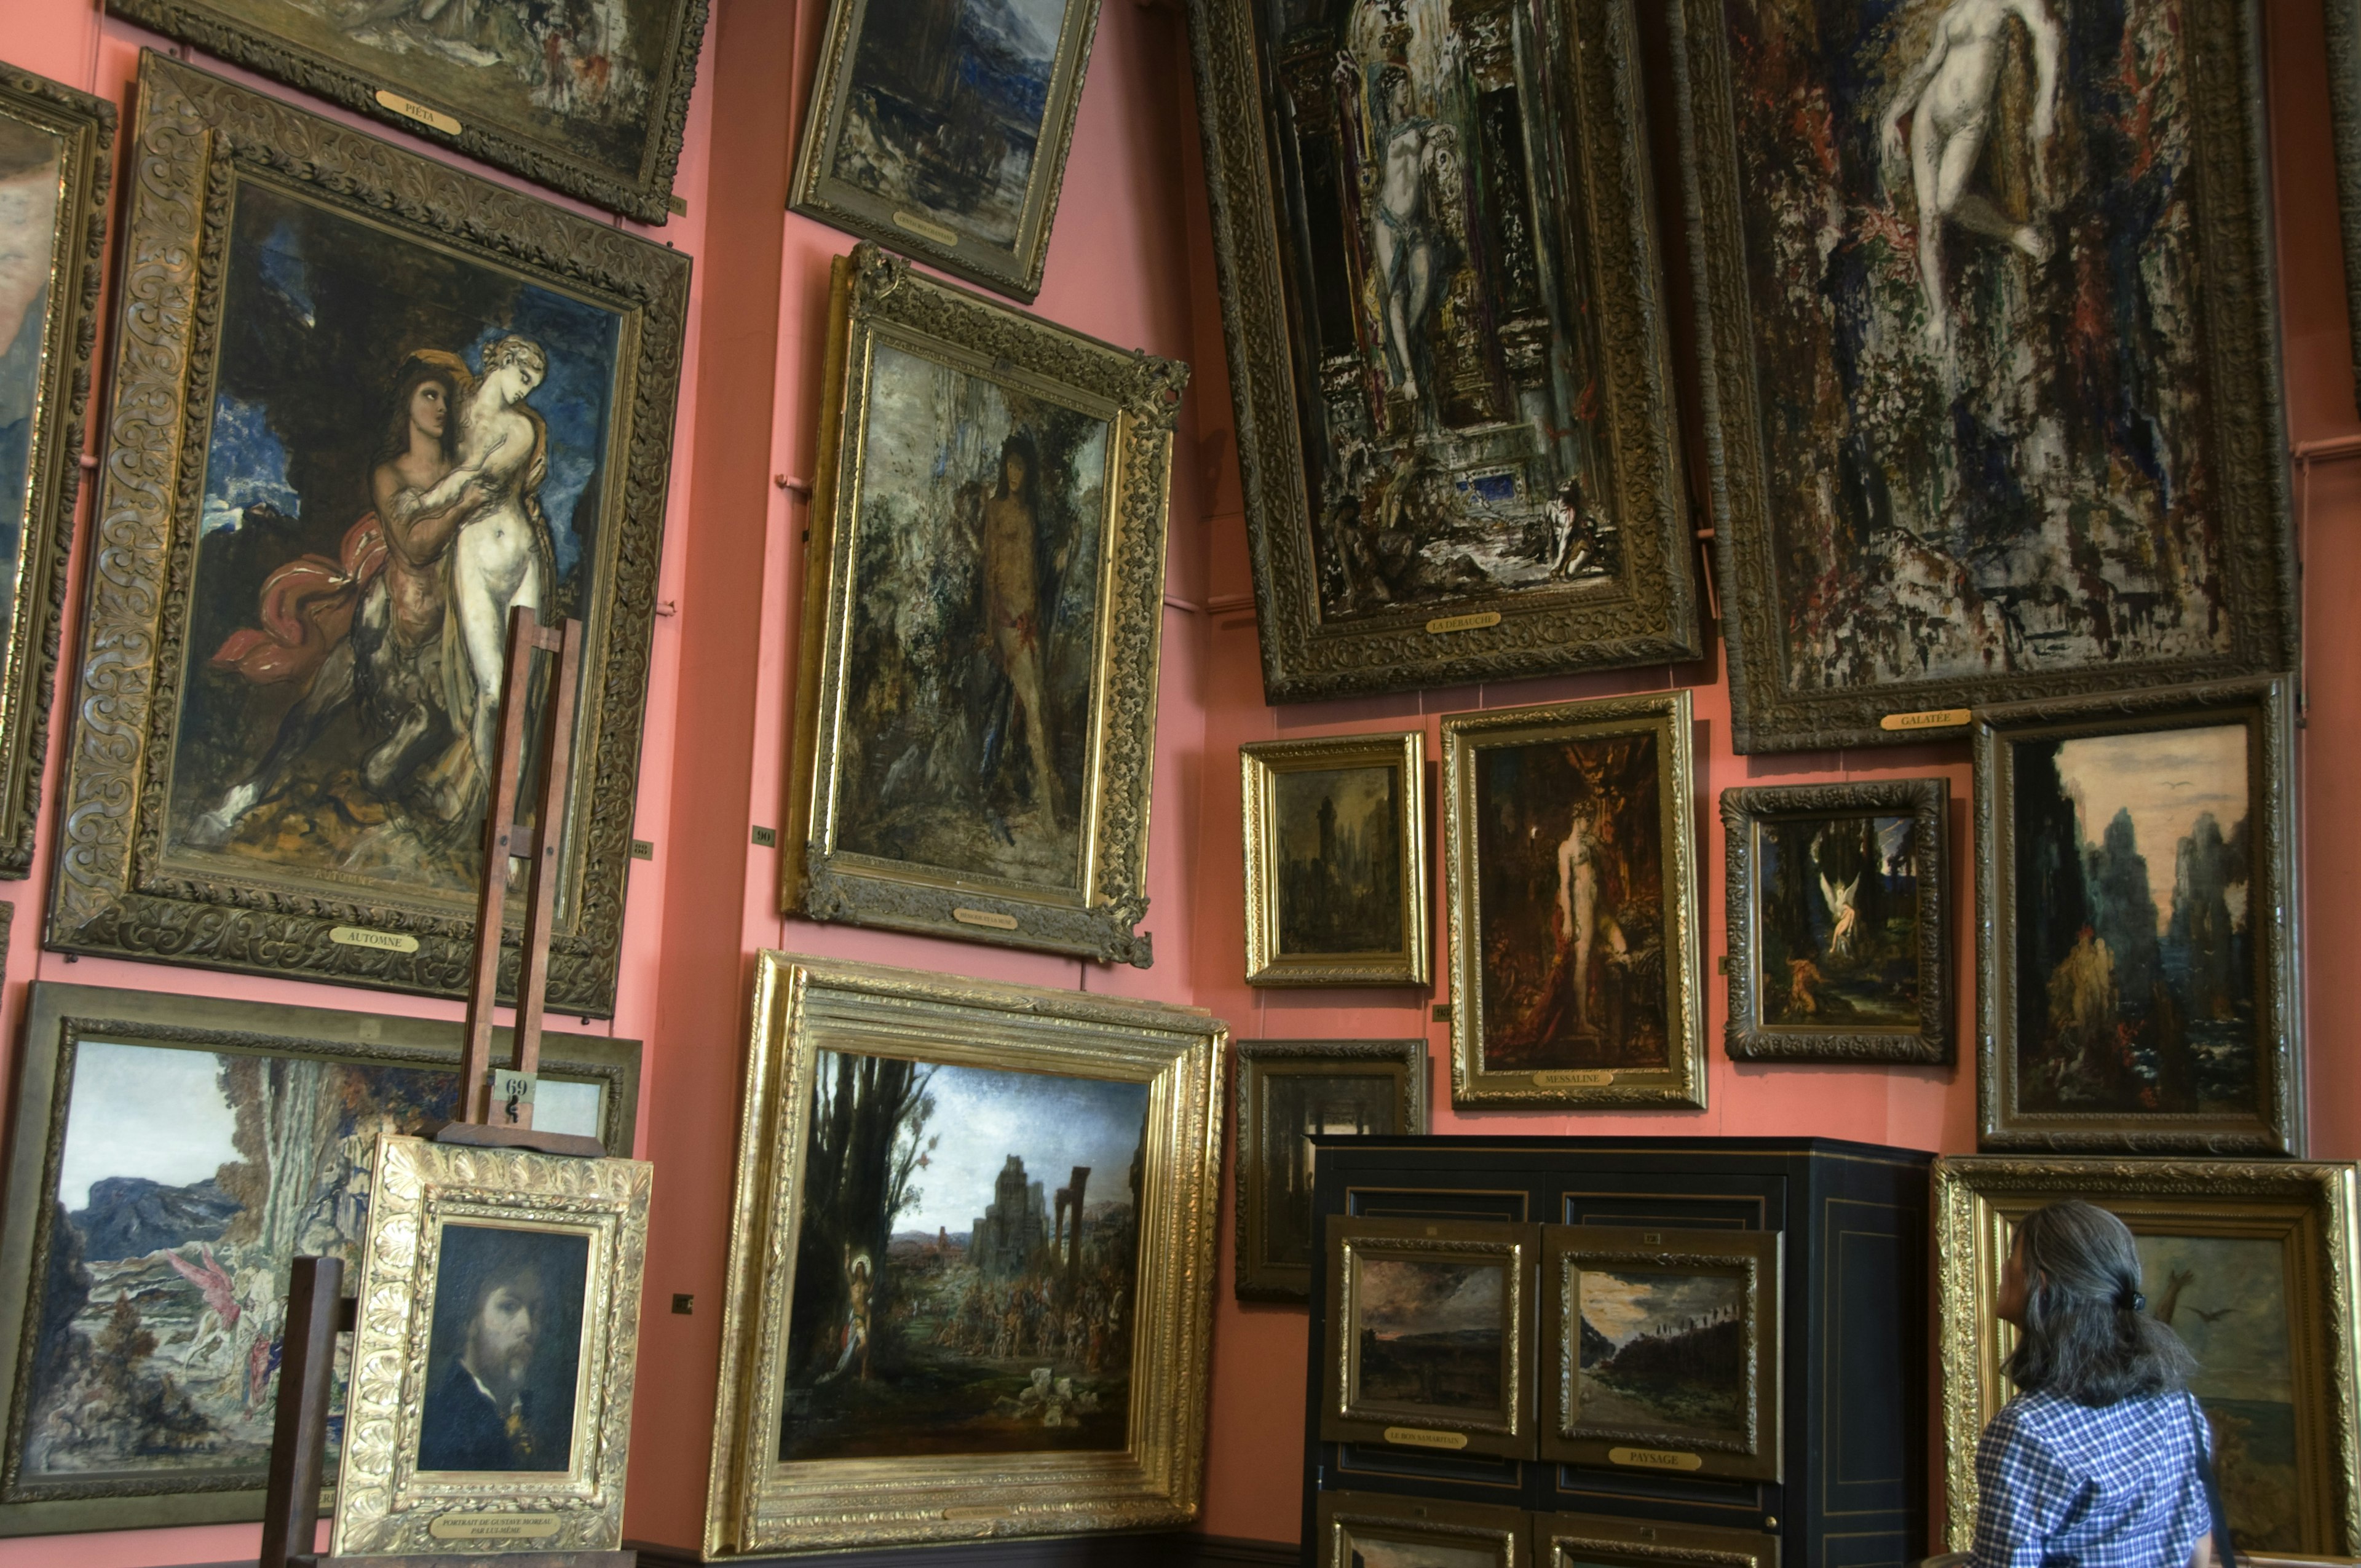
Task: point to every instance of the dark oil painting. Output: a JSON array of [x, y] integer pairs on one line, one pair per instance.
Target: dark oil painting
[[1663, 1349], [1572, 904], [1839, 915], [504, 1351], [977, 554], [403, 444], [1975, 277], [966, 1263], [1377, 1552], [1447, 358], [1340, 860], [1296, 1108], [1429, 1333], [32, 176], [2134, 959]]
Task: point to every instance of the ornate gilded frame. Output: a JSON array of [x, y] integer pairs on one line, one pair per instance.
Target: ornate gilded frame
[[1013, 269], [1743, 810], [757, 1504], [1261, 1063], [384, 1505], [644, 194], [1345, 1517], [1595, 1541], [84, 127], [1754, 1257], [876, 298], [2311, 1209], [1682, 1082], [1259, 764], [1654, 620], [198, 138], [2277, 1125], [57, 1020], [1347, 1415], [2230, 159]]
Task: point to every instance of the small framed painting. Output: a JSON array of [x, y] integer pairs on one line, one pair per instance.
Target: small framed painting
[[2136, 972], [1571, 859], [1663, 1349], [1593, 1540], [942, 129], [1290, 1092], [1837, 897], [1336, 846], [1367, 1529], [495, 1338], [1432, 1324]]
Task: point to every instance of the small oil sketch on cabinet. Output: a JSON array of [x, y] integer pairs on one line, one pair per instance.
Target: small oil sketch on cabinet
[[1433, 231], [171, 1157], [590, 99], [940, 127], [1289, 1092], [2250, 1263], [971, 1263], [1369, 1529], [56, 159], [2134, 883], [1990, 354], [984, 602], [495, 1333], [1595, 1541], [1838, 899], [1572, 864], [401, 399], [1336, 847]]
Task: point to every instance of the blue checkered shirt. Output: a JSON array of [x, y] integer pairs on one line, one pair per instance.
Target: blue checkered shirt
[[2066, 1485]]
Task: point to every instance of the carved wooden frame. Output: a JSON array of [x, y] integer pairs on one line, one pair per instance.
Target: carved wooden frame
[[1928, 803], [198, 137], [1533, 631]]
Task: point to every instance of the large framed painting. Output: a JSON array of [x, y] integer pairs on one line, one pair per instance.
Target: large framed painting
[[1838, 902], [590, 99], [1990, 354], [172, 1156], [493, 1349], [56, 161], [2136, 974], [363, 406], [1572, 863], [1434, 235], [1370, 1529], [1335, 849], [1598, 1540], [983, 605], [2251, 1263], [1661, 1350], [1038, 1370], [941, 127], [1289, 1092]]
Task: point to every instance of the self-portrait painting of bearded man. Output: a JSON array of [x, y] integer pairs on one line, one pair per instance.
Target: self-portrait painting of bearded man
[[504, 1362]]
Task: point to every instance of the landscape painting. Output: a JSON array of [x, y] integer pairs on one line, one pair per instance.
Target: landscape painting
[[1296, 1108], [32, 179], [1839, 911], [1340, 870], [1369, 1549], [1663, 1351], [966, 1262], [1428, 1334]]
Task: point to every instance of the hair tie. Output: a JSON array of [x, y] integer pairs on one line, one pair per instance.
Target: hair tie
[[2131, 1302]]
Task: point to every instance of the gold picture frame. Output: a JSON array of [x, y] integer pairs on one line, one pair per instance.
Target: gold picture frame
[[1110, 1433], [1391, 1280], [463, 1243], [1304, 926], [1289, 1091], [1721, 1292], [1460, 1534], [1594, 1541], [1025, 513], [1537, 1017], [2284, 1231]]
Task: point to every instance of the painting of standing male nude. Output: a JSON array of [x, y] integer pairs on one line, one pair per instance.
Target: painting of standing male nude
[[1991, 362]]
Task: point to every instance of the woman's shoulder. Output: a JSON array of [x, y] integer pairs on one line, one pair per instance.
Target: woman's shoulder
[[2054, 1419]]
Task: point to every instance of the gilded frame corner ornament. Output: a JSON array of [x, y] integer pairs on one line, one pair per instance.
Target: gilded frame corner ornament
[[2276, 1126], [1928, 802], [756, 1503], [1653, 617], [1681, 1080], [385, 1504], [2313, 1211], [197, 139], [1259, 764], [1506, 1533], [68, 335], [876, 298]]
